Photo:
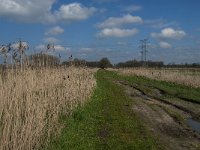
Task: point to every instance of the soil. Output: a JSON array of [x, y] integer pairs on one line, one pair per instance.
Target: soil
[[165, 118]]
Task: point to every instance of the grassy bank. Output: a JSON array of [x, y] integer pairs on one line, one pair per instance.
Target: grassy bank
[[168, 88], [106, 122]]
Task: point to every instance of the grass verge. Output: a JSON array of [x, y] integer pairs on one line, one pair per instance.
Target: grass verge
[[168, 88]]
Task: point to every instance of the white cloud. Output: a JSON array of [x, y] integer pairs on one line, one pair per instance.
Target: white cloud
[[55, 31], [105, 1], [169, 33], [160, 23], [68, 49], [25, 10], [73, 12], [50, 40], [43, 47], [116, 22], [59, 48], [86, 50], [41, 11], [133, 8], [102, 10], [117, 32], [165, 45], [121, 43]]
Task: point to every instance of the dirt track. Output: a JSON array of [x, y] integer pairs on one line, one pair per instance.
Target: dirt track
[[166, 118]]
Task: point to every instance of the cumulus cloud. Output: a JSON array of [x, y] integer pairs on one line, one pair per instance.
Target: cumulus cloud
[[26, 10], [51, 40], [105, 1], [59, 48], [121, 43], [55, 31], [169, 33], [41, 11], [165, 45], [160, 23], [43, 47], [117, 32], [73, 12], [133, 8], [116, 22], [86, 50]]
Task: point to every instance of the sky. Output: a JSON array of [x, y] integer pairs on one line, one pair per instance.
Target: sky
[[92, 29]]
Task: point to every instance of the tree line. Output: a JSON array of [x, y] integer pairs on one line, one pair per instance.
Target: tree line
[[49, 60], [103, 63], [44, 60]]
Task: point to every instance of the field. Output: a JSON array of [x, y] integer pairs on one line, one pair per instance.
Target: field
[[189, 77], [134, 112], [79, 108]]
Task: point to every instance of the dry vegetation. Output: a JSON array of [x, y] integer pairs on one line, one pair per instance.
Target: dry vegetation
[[189, 77], [32, 101]]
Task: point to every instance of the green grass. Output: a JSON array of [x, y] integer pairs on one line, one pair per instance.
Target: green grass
[[105, 122], [170, 89]]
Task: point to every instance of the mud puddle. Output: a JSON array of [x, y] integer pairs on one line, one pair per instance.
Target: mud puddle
[[195, 125]]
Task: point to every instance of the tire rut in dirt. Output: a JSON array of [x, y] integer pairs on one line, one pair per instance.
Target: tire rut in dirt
[[156, 97], [158, 115]]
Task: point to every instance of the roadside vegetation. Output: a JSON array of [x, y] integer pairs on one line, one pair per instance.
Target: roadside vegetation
[[32, 100], [168, 88], [188, 77], [126, 112], [106, 122], [79, 108]]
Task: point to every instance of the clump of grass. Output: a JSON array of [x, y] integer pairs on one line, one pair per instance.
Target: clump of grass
[[32, 100]]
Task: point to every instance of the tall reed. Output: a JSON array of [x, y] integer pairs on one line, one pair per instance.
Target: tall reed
[[32, 100]]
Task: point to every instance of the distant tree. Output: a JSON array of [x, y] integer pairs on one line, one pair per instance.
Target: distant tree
[[92, 64], [79, 62], [104, 63]]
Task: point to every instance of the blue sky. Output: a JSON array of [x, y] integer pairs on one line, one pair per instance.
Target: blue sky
[[92, 29]]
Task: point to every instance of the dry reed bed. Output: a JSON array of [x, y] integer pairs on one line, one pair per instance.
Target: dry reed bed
[[32, 102], [186, 77]]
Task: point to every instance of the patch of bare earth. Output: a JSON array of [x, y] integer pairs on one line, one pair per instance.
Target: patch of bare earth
[[165, 119]]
